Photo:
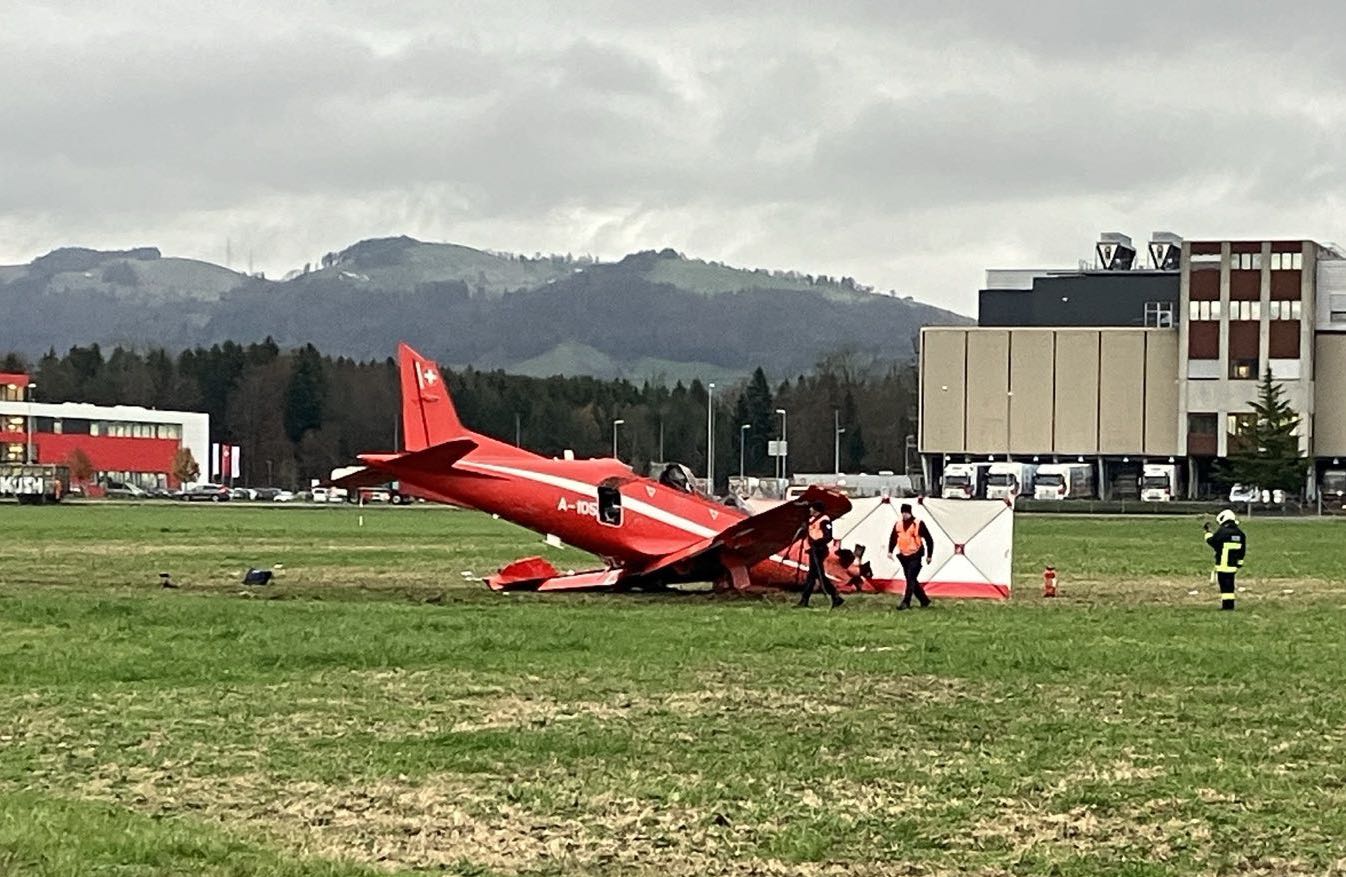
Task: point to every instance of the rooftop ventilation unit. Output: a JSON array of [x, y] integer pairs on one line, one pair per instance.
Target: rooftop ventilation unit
[[1165, 251], [1115, 252]]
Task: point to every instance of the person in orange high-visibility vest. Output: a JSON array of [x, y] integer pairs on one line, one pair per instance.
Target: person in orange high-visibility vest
[[819, 543], [910, 541]]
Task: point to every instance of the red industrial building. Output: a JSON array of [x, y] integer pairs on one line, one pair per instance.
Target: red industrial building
[[124, 443]]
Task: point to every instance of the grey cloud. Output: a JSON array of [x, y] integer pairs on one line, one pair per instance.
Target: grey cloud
[[862, 138]]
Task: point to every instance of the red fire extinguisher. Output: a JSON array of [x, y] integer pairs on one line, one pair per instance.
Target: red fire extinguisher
[[1049, 581]]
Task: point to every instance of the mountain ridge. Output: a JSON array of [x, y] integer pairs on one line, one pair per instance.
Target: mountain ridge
[[650, 310]]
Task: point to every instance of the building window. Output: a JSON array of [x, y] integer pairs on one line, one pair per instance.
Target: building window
[[1240, 428], [169, 431], [1203, 310], [1242, 424], [1243, 369], [13, 424], [1245, 310], [1245, 261], [1287, 261], [11, 453], [1285, 310], [1159, 314], [1202, 424], [11, 393]]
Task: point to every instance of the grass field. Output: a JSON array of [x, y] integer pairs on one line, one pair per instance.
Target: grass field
[[374, 711]]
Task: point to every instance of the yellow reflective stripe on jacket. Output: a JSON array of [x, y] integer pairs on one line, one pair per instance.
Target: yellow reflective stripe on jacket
[[1225, 564]]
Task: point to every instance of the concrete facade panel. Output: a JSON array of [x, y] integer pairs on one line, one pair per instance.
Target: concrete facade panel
[[988, 353], [1032, 381], [1161, 393], [1076, 427], [1121, 393], [1329, 420], [943, 388]]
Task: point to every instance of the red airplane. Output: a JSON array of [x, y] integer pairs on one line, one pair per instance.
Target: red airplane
[[650, 533]]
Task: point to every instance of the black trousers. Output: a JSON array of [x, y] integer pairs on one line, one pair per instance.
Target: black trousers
[[816, 577], [1226, 580], [911, 568]]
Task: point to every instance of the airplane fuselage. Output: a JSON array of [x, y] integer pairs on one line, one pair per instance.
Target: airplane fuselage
[[564, 499]]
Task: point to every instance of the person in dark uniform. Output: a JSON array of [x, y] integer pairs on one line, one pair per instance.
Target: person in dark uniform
[[819, 543], [911, 541], [1230, 545]]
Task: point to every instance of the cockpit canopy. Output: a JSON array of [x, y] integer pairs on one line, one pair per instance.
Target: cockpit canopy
[[678, 477]]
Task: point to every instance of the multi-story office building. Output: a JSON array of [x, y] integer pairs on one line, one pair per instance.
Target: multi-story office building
[[1118, 366]]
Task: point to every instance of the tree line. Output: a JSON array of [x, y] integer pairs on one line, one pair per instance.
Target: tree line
[[297, 414]]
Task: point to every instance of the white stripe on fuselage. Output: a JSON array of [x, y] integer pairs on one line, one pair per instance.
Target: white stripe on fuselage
[[585, 489], [640, 506]]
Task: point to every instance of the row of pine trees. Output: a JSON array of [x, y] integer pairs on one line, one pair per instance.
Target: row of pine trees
[[298, 414]]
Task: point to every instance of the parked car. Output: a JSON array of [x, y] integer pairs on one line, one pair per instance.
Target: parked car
[[265, 494], [284, 496], [375, 494], [243, 493], [1243, 494], [206, 493], [124, 490]]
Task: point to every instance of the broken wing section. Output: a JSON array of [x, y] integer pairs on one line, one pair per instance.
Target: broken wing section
[[537, 574], [757, 538]]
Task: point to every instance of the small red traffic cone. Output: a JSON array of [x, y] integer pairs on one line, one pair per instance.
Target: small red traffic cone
[[1049, 581]]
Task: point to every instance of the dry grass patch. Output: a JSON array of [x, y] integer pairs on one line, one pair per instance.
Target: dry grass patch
[[444, 822]]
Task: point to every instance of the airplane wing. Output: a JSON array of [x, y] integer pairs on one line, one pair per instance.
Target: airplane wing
[[432, 459], [756, 538], [536, 574], [360, 476]]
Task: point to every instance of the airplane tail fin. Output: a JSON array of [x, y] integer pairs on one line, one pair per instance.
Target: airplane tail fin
[[428, 415]]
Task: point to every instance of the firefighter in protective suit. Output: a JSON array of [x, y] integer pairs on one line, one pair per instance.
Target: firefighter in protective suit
[[1230, 545]]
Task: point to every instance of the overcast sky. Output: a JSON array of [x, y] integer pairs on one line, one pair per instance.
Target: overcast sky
[[908, 144]]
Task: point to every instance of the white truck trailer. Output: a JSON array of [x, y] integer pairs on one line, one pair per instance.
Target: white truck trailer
[[1064, 481], [1159, 482], [1009, 480], [964, 481]]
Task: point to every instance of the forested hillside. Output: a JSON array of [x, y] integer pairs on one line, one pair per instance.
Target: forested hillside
[[306, 413]]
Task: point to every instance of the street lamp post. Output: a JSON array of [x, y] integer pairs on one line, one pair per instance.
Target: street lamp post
[[32, 455], [615, 424], [710, 439], [742, 437], [781, 459], [837, 430]]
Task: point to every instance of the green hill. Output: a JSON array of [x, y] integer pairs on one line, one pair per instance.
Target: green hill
[[651, 315], [404, 263]]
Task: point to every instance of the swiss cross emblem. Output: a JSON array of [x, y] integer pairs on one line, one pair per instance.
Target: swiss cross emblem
[[430, 376]]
